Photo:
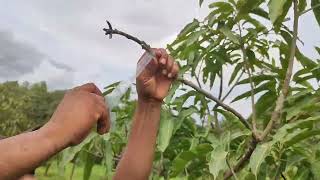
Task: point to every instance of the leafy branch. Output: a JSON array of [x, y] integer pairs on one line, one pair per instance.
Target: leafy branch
[[110, 31], [286, 84], [280, 100]]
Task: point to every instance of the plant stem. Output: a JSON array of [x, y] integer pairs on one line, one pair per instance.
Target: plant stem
[[245, 58], [286, 84], [242, 162], [219, 102]]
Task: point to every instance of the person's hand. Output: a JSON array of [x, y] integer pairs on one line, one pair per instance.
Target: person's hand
[[80, 109], [155, 80]]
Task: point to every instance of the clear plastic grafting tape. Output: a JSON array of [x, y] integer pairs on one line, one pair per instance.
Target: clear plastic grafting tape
[[113, 99]]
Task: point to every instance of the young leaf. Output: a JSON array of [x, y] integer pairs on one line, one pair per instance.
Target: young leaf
[[275, 9]]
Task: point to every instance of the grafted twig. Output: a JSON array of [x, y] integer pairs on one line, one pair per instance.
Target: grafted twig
[[145, 46], [110, 31]]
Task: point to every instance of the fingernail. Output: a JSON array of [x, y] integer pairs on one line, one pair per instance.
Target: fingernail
[[164, 72], [170, 75]]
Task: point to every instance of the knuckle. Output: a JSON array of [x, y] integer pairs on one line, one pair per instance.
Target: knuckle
[[91, 84]]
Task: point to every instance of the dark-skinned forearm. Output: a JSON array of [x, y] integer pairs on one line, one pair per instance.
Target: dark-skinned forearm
[[23, 153], [137, 159]]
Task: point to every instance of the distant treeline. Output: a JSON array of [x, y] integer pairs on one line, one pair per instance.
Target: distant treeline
[[25, 106]]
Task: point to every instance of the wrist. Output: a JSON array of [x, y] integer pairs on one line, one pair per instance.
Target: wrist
[[149, 102], [52, 137]]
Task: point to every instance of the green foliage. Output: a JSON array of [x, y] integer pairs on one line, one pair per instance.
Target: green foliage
[[24, 106], [198, 139]]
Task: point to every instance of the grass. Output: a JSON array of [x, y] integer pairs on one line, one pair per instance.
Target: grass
[[98, 173]]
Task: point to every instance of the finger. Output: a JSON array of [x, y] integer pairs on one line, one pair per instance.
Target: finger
[[175, 70], [157, 52], [163, 61], [90, 87], [103, 123], [170, 62]]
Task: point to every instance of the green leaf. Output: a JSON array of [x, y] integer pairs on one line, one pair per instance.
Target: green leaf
[[246, 6], [218, 163], [69, 153], [110, 88], [258, 156], [222, 6], [184, 158], [269, 85], [228, 33], [165, 131], [89, 163], [316, 11], [275, 9], [260, 12], [318, 50], [235, 72], [180, 162], [258, 79], [194, 37], [183, 115], [265, 102], [301, 136], [188, 29]]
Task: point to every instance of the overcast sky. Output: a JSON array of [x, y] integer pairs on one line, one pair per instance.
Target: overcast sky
[[62, 42]]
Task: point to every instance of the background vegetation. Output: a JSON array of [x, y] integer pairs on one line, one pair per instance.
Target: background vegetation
[[243, 44]]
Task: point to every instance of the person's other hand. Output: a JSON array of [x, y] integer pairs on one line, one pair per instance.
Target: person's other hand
[[155, 80], [80, 109]]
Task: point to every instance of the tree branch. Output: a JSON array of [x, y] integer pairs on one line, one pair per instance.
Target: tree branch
[[286, 84], [279, 103], [244, 159], [245, 58], [146, 47], [219, 102]]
